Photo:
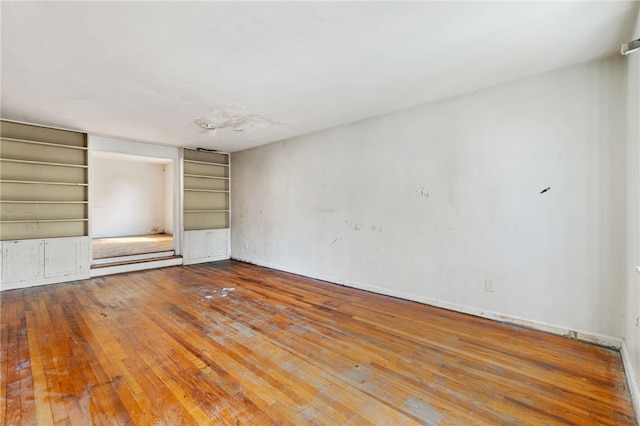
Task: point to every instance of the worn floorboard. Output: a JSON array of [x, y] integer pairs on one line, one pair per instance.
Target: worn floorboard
[[103, 248], [233, 344]]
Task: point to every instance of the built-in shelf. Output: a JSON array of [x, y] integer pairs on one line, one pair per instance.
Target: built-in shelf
[[205, 211], [205, 162], [206, 190], [44, 202], [44, 220], [83, 148], [43, 182], [44, 163], [206, 177]]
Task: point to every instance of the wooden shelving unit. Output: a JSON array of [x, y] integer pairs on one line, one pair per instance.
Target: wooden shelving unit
[[206, 190], [43, 182], [206, 206]]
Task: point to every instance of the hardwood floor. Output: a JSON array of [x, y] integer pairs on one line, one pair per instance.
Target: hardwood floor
[[231, 343], [125, 246]]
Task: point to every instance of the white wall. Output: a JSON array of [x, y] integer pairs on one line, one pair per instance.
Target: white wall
[[346, 205], [632, 330], [128, 198], [162, 154], [168, 198]]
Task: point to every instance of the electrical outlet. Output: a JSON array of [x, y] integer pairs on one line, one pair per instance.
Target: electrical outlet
[[489, 285]]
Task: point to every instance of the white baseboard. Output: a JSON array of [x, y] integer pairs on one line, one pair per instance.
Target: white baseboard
[[44, 281], [205, 259], [634, 388], [582, 335]]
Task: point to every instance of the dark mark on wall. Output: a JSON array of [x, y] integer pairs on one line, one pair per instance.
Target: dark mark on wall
[[422, 191], [334, 241], [545, 190]]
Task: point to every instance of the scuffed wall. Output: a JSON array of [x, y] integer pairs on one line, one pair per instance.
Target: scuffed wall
[[438, 201]]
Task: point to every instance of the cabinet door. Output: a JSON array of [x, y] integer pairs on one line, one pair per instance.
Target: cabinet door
[[197, 245], [206, 245], [64, 256], [22, 260], [219, 242]]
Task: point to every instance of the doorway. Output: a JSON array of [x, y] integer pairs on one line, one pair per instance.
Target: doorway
[[132, 207]]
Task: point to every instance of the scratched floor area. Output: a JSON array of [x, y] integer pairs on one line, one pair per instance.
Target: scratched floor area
[[233, 344]]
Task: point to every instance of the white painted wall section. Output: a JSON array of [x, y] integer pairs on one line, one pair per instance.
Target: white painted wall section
[[168, 198], [632, 308], [128, 198], [168, 156], [429, 202]]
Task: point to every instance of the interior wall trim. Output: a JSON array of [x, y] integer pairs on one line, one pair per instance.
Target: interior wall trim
[[144, 149]]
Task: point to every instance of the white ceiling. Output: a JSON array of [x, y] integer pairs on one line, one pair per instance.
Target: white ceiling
[[147, 70]]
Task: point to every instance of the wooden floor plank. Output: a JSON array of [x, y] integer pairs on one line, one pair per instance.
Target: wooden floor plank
[[4, 368], [50, 359], [104, 389], [11, 381], [233, 343], [71, 383], [27, 399], [103, 248], [39, 380]]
